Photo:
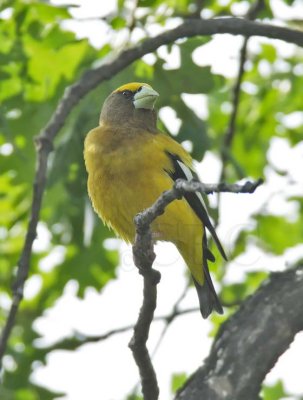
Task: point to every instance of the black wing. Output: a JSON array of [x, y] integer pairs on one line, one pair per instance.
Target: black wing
[[195, 200], [208, 298]]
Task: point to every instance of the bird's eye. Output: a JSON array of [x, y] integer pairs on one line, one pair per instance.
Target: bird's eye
[[127, 93]]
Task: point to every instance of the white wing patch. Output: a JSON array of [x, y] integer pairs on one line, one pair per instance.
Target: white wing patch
[[189, 175], [199, 195]]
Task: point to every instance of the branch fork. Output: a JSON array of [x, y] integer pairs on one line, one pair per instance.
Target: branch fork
[[144, 256]]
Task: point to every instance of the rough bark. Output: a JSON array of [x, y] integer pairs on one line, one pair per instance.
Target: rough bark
[[250, 342]]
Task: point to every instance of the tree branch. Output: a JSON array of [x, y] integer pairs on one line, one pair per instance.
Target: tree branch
[[250, 342], [168, 319], [144, 219], [79, 339], [231, 128], [43, 147], [189, 28], [144, 257]]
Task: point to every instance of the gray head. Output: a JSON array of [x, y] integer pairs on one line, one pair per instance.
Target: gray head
[[132, 105]]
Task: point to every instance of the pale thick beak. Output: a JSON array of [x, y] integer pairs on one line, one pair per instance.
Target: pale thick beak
[[146, 98]]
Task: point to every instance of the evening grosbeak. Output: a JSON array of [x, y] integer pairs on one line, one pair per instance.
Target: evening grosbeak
[[130, 163]]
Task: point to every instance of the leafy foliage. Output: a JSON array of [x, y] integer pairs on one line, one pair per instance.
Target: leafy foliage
[[39, 58]]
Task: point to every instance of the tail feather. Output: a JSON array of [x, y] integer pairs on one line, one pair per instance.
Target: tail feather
[[207, 295], [208, 299]]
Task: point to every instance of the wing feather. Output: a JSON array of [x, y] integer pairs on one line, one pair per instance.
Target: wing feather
[[182, 171]]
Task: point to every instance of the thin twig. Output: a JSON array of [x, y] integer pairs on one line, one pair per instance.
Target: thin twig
[[229, 134], [144, 257], [144, 219], [170, 318], [131, 24], [43, 147], [199, 4], [255, 9], [231, 128], [80, 339]]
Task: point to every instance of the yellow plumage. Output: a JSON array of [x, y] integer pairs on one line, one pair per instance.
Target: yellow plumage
[[128, 169], [123, 185]]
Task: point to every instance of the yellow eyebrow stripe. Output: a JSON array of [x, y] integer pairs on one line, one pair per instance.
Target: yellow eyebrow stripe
[[133, 86]]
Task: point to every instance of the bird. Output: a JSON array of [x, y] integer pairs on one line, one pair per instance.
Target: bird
[[130, 163]]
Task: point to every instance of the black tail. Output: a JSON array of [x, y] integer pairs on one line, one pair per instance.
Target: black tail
[[208, 298]]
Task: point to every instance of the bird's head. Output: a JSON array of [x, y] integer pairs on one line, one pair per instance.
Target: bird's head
[[132, 103]]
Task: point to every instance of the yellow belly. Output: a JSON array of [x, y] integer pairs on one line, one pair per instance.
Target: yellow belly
[[124, 182]]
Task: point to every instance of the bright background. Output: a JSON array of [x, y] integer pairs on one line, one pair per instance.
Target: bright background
[[106, 369]]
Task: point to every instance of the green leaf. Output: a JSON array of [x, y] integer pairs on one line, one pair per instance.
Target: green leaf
[[134, 397], [177, 381], [45, 13], [277, 234], [237, 292], [275, 392], [147, 3], [270, 52], [120, 4], [118, 23], [65, 61]]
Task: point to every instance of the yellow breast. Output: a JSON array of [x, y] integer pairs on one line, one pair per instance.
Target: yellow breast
[[127, 175]]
